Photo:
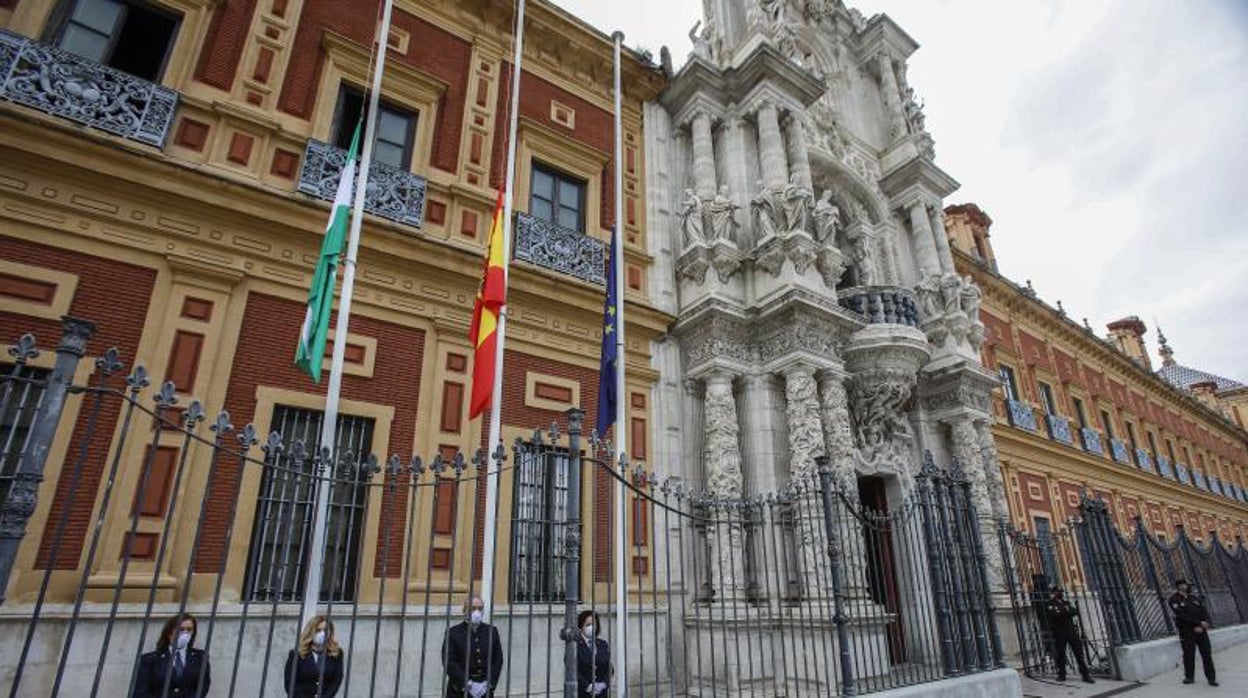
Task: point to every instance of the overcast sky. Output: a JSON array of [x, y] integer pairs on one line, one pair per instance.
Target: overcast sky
[[1105, 138]]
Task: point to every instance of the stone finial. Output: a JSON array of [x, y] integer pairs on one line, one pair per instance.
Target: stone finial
[[1167, 354]]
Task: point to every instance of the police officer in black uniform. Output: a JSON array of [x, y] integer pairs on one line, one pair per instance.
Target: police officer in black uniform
[[1061, 617], [1192, 619], [473, 655]]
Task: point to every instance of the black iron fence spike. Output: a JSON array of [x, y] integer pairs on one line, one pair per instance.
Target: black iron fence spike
[[24, 349]]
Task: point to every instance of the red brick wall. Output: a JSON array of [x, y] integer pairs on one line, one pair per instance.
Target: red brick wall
[[265, 357], [223, 45], [114, 296], [431, 50]]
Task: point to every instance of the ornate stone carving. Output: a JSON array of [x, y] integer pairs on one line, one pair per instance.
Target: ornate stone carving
[[691, 219], [797, 204], [827, 217], [783, 335], [837, 429], [716, 338], [831, 265], [721, 214], [802, 410], [722, 452], [767, 212]]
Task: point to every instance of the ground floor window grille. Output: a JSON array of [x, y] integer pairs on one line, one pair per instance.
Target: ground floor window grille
[[539, 526], [20, 396], [276, 569]]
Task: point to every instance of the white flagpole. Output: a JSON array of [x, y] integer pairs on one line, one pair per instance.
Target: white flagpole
[[496, 399], [316, 558], [621, 399]]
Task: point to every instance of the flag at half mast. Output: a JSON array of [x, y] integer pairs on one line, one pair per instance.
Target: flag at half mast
[[609, 358], [311, 352], [483, 333]]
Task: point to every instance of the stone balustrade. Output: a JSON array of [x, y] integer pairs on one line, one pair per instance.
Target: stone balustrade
[[889, 305], [69, 86], [540, 242], [392, 193]]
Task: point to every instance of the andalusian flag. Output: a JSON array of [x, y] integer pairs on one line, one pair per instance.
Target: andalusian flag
[[311, 352], [483, 333]]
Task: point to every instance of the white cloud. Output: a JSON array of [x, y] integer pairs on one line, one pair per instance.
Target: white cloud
[[1102, 136]]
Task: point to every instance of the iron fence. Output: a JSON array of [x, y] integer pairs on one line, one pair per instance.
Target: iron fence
[[832, 585]]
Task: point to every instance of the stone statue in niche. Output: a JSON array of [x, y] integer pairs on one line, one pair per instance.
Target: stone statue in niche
[[691, 219], [914, 112], [768, 216], [827, 218], [860, 255], [950, 292], [722, 215], [797, 200]]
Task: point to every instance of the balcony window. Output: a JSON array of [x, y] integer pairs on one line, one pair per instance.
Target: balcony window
[[557, 197], [1046, 397], [132, 37], [1108, 424], [1080, 414], [1008, 382], [396, 128]]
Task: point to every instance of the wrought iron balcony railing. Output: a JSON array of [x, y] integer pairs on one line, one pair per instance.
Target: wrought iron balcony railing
[[1021, 415], [1059, 428], [1144, 460], [1119, 451], [1181, 474], [64, 84], [540, 242], [392, 193], [1091, 441], [888, 305], [1163, 467]]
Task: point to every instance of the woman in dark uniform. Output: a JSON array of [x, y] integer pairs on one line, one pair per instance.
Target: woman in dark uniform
[[175, 661], [593, 657], [314, 669]]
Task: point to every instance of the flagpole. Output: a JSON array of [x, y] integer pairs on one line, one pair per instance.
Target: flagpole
[[496, 399], [316, 559], [621, 400]]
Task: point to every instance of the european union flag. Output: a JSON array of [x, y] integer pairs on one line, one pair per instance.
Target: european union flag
[[608, 364]]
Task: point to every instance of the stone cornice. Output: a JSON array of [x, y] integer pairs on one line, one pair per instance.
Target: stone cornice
[[917, 179], [882, 34], [790, 85]]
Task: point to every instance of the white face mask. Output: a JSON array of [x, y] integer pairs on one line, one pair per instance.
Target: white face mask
[[476, 617], [588, 631], [318, 638], [184, 639]]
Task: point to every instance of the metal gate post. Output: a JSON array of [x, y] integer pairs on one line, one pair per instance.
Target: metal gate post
[[848, 685], [1150, 570], [23, 494], [572, 553], [936, 562], [1216, 549]]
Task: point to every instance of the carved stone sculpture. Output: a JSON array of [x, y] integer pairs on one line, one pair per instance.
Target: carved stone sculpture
[[827, 218], [691, 219], [969, 297], [722, 215], [837, 429], [767, 215], [805, 437], [797, 205], [928, 292], [701, 42], [950, 288], [860, 255], [723, 455]]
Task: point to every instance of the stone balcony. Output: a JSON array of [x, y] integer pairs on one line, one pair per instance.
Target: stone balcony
[[550, 246], [392, 193], [1091, 441], [1119, 451], [1059, 429], [71, 87], [1163, 467], [888, 305], [1021, 415]]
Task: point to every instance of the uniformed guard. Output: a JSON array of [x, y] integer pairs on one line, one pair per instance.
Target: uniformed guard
[[472, 653], [1061, 617], [1192, 620], [176, 663], [314, 669]]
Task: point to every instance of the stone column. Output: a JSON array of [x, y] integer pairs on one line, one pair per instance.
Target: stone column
[[992, 469], [771, 146], [703, 156], [806, 444], [941, 238], [799, 159], [924, 240], [839, 445], [892, 96], [724, 480], [967, 448]]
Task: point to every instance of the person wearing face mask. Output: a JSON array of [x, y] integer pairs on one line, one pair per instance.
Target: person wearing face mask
[[472, 654], [593, 657], [176, 663], [1193, 622], [314, 668]]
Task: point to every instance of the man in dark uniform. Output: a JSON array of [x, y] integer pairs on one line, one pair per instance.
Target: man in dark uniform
[[1061, 621], [473, 655], [1192, 620]]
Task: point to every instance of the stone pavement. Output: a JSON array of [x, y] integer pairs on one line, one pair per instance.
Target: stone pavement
[[1231, 663]]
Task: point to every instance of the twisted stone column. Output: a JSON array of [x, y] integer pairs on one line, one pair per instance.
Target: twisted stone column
[[703, 156], [771, 146], [968, 449], [839, 445], [724, 480], [892, 96], [941, 238]]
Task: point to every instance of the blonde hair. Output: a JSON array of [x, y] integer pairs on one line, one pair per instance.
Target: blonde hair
[[305, 638]]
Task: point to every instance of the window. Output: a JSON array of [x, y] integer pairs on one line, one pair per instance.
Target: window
[[129, 36], [1135, 445], [1152, 444], [1170, 450], [1046, 397], [558, 198], [396, 128], [1108, 423], [22, 395], [277, 565], [541, 512], [1079, 413], [1008, 383], [1187, 456]]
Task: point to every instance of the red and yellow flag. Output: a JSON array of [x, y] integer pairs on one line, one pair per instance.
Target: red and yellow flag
[[491, 297]]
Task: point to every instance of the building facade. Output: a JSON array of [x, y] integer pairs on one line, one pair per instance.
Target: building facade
[[1078, 412]]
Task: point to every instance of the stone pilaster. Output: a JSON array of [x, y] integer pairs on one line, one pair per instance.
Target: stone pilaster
[[892, 96], [703, 156], [771, 147], [924, 240]]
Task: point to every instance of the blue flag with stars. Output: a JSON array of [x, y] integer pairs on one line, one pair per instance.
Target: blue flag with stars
[[610, 356]]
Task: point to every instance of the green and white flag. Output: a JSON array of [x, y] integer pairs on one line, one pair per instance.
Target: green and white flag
[[311, 352]]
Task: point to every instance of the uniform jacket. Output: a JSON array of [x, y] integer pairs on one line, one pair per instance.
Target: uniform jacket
[[472, 654], [309, 681], [593, 664], [1061, 614], [154, 666], [1188, 611]]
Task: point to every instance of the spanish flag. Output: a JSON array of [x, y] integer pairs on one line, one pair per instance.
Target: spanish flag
[[491, 297]]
